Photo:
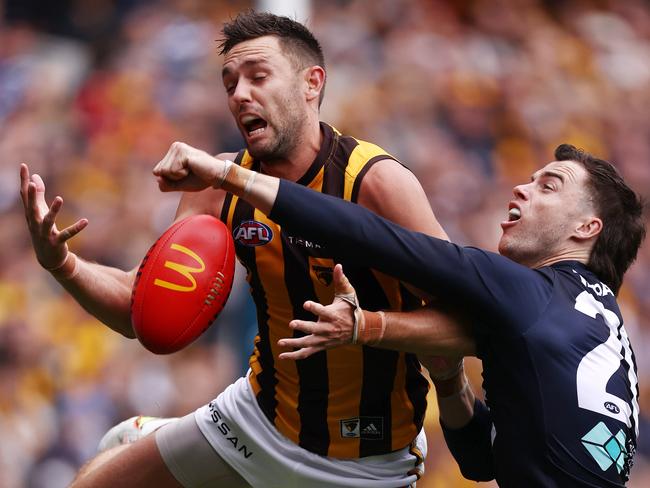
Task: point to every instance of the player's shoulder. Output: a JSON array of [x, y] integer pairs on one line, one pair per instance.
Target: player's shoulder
[[386, 175], [372, 152], [360, 148]]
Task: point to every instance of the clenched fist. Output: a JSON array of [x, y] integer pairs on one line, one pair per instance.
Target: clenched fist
[[185, 168]]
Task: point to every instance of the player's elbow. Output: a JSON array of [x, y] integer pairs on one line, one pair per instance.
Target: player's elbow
[[477, 473], [121, 326], [128, 333]]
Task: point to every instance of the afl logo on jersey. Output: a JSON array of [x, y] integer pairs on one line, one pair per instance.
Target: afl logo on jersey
[[252, 233]]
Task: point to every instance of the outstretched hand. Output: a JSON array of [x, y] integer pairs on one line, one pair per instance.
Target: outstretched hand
[[49, 243], [335, 326]]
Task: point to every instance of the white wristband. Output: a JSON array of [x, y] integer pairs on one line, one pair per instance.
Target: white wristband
[[226, 169]]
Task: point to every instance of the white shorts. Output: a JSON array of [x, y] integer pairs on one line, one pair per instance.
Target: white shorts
[[239, 432], [191, 459]]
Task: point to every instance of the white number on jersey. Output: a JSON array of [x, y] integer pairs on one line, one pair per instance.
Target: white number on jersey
[[599, 364]]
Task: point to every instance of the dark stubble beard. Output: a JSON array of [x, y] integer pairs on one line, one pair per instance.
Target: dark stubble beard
[[288, 130], [532, 249]]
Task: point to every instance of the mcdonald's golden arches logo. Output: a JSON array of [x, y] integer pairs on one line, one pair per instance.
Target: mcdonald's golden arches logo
[[182, 269]]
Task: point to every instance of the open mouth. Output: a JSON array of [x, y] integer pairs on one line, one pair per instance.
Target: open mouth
[[254, 125], [514, 214]]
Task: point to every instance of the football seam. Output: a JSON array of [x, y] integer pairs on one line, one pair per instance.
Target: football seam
[[227, 254], [153, 256]]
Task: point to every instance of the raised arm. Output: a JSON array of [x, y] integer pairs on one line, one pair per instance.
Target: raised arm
[[425, 331], [491, 284], [103, 291]]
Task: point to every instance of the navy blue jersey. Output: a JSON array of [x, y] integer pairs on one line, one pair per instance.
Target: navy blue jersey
[[559, 372]]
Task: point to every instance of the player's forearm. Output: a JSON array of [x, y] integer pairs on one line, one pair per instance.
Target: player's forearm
[[102, 291], [431, 334], [352, 232], [425, 332], [257, 189], [348, 230], [455, 400]]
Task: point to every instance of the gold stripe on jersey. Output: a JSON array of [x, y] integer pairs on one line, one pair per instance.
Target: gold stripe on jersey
[[402, 409], [256, 368], [363, 153], [343, 364], [419, 460], [401, 404], [280, 314], [230, 204]]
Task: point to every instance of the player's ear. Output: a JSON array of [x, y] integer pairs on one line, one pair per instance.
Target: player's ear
[[315, 81], [590, 227]]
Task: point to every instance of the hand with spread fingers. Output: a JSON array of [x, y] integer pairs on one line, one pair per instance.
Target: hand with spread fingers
[[336, 322], [50, 243]]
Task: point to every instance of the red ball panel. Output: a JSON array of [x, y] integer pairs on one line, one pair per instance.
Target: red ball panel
[[183, 283]]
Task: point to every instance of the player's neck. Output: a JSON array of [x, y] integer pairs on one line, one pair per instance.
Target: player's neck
[[298, 161], [576, 254]]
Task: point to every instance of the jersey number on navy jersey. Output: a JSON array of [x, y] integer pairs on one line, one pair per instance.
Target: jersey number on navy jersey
[[601, 363]]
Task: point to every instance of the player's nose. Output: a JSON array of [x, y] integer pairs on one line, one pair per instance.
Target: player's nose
[[521, 191], [242, 94]]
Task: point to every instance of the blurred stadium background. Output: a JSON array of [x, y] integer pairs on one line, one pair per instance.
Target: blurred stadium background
[[472, 95]]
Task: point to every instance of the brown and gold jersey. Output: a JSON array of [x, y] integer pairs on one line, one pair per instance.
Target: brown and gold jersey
[[350, 401]]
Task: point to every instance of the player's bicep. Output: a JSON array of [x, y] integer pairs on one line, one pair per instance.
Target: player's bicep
[[392, 191]]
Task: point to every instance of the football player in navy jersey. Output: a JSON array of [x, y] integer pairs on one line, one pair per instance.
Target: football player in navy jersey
[[559, 372]]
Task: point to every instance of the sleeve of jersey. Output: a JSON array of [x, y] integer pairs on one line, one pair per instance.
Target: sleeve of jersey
[[466, 275], [471, 445]]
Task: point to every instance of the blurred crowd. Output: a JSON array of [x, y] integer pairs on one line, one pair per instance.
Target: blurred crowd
[[471, 95]]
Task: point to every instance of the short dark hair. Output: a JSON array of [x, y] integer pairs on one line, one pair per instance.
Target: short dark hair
[[295, 39], [621, 211]]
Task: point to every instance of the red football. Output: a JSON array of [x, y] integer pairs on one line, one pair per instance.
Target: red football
[[183, 283]]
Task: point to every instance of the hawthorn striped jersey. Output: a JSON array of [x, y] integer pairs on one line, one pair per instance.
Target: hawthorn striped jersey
[[348, 402]]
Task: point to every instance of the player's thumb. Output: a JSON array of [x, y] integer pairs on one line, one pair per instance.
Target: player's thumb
[[342, 285]]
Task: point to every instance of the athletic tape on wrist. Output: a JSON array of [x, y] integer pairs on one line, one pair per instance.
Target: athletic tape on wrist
[[68, 270], [237, 180], [249, 184], [226, 169], [371, 328], [351, 298]]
